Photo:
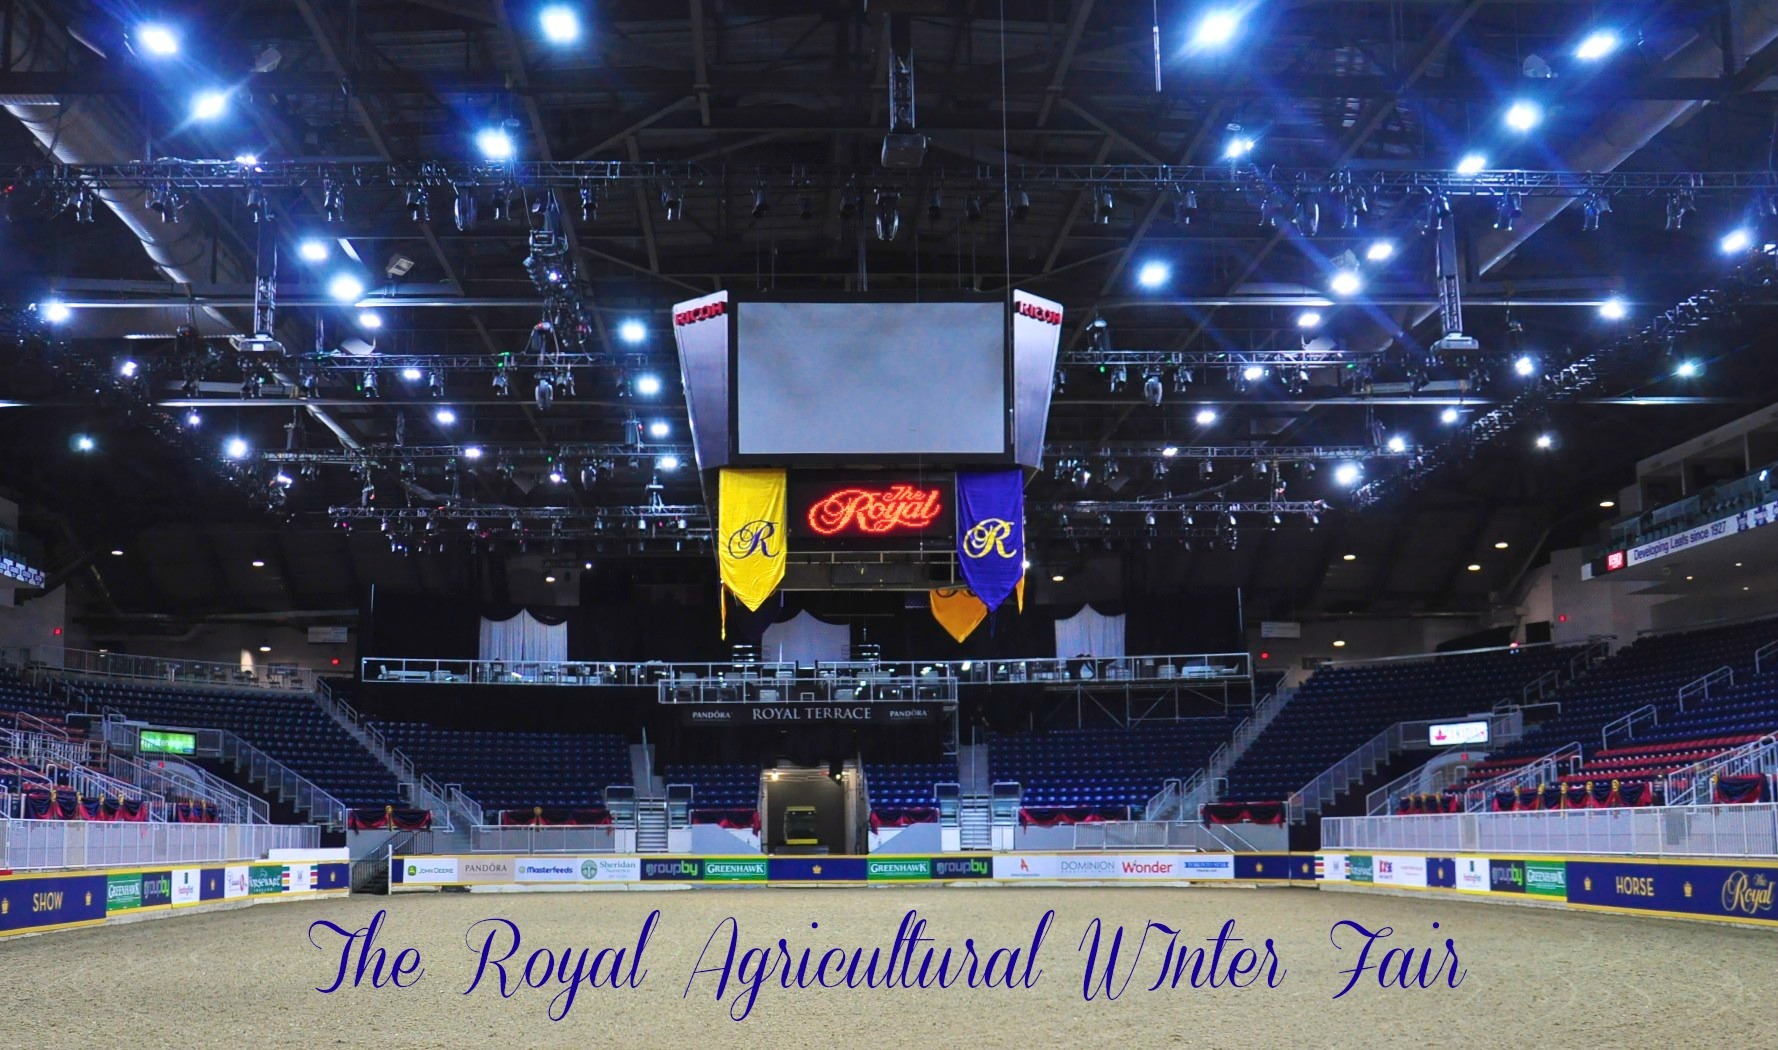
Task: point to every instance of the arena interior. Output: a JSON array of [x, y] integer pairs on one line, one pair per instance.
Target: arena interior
[[1080, 523]]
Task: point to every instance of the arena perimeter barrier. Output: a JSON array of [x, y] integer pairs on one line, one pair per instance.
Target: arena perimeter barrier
[[36, 845], [1747, 830], [41, 902]]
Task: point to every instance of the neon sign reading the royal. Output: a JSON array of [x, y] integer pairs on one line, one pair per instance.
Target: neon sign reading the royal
[[899, 508]]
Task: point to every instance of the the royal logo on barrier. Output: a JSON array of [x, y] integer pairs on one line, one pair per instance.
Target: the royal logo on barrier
[[1744, 894]]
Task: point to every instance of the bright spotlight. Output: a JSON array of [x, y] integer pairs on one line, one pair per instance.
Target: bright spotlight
[[84, 443], [1153, 274], [1525, 366], [1216, 28], [1598, 44], [1688, 369], [1380, 251], [659, 429], [1545, 441], [1613, 309], [313, 250], [128, 369], [1169, 451], [1397, 444], [560, 24], [445, 416], [1471, 164], [632, 331], [1346, 474], [1238, 147], [494, 143], [1346, 282], [55, 311], [412, 375], [1738, 240], [193, 418], [236, 448], [1206, 416], [157, 40], [1449, 416], [668, 462], [370, 319], [345, 288], [247, 160], [1253, 373], [472, 452], [1523, 116], [648, 386], [208, 105], [1308, 319]]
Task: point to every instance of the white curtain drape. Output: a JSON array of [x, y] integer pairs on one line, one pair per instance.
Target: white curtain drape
[[805, 640], [1087, 633], [523, 639]]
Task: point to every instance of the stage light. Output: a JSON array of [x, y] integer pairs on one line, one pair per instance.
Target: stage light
[[128, 369], [1502, 545], [1347, 474], [1471, 164], [1613, 309], [235, 448], [312, 249], [117, 554], [157, 40], [193, 419], [1238, 147], [1546, 441], [247, 160], [345, 288], [1736, 241], [1688, 369], [1346, 283], [1170, 451], [494, 143], [1153, 274], [561, 25], [1205, 416], [84, 443], [55, 311], [1449, 416], [648, 386], [370, 319], [472, 452], [1607, 503], [1525, 366], [1308, 319], [1057, 578], [208, 105], [1380, 251], [668, 462], [1596, 45], [659, 429], [1253, 373], [1523, 116], [1152, 391], [1397, 443], [1473, 567], [1348, 557], [412, 375], [632, 331], [1339, 643], [445, 416], [1216, 28]]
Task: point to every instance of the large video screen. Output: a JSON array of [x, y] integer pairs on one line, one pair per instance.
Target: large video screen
[[870, 379]]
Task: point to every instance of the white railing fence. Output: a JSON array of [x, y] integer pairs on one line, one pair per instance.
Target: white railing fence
[[1658, 831], [1503, 726], [1695, 784], [1624, 729], [180, 780], [492, 838], [1763, 654], [1547, 769], [1178, 834], [36, 845], [281, 780]]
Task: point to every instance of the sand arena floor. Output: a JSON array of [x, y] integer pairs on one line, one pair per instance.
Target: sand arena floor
[[1535, 977]]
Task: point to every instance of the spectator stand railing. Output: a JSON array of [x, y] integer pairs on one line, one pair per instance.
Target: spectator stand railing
[[1698, 690], [1205, 786], [1693, 784], [523, 839], [1503, 726], [1762, 655], [184, 779], [37, 845], [421, 790], [56, 660], [286, 783], [1619, 730], [1746, 830], [1439, 773], [1545, 769]]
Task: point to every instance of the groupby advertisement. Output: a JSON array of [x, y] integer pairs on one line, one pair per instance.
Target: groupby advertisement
[[157, 888], [962, 868], [672, 869]]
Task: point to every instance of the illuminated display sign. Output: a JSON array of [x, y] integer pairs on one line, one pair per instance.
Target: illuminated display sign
[[166, 743], [1614, 561], [893, 509], [1451, 733]]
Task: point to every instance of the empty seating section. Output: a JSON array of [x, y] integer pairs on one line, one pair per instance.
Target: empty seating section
[[906, 785], [1652, 671], [1340, 708], [290, 727], [1102, 768], [719, 785], [508, 770]]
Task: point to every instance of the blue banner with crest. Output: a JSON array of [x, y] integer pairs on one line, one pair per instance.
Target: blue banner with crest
[[991, 533]]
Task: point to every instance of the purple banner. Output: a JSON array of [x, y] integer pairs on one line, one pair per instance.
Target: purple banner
[[991, 533]]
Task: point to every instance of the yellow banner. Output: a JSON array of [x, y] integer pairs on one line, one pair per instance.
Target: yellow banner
[[751, 533], [958, 611]]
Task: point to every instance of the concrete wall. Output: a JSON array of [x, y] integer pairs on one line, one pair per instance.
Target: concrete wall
[[1365, 640]]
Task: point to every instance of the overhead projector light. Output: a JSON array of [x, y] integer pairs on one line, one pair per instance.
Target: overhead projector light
[[256, 344], [1456, 343]]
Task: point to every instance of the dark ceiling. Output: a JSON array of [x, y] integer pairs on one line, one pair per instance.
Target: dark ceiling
[[725, 99]]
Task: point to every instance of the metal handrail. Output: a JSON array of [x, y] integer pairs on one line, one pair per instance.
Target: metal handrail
[[233, 806], [1626, 726], [1762, 654], [1684, 786], [59, 660], [1435, 655], [1545, 769], [1433, 781], [1701, 685], [291, 786]]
